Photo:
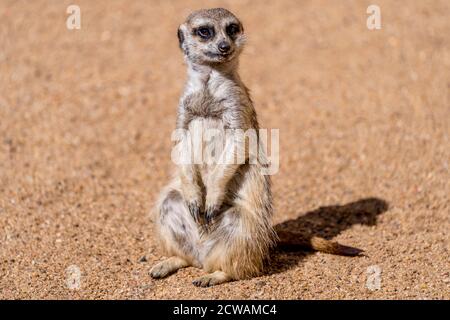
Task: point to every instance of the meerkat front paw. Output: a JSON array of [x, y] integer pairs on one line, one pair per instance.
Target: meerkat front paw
[[213, 206], [194, 210], [211, 212], [193, 200]]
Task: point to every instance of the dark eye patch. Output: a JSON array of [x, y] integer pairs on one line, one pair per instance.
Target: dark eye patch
[[232, 29], [205, 32]]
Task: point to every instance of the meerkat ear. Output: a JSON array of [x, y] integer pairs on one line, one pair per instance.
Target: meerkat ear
[[180, 37]]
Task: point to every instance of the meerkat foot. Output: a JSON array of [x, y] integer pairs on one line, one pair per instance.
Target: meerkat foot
[[212, 279], [167, 267]]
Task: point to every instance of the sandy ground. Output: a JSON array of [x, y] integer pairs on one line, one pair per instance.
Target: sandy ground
[[364, 119]]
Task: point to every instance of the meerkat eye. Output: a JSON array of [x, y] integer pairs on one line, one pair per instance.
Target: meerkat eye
[[205, 32], [232, 29]]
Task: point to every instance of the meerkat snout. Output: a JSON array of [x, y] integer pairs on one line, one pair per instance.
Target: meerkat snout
[[211, 36], [224, 47]]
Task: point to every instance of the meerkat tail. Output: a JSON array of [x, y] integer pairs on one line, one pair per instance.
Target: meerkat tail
[[293, 241]]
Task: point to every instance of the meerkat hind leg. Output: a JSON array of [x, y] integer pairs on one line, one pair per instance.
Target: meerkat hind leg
[[212, 279], [167, 267]]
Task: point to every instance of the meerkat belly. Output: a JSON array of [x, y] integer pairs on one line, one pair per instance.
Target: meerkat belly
[[207, 142]]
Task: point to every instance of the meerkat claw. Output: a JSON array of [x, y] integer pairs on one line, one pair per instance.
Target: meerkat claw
[[194, 209], [211, 213]]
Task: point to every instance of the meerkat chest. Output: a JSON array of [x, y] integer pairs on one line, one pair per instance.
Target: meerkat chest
[[202, 104], [209, 112], [208, 138]]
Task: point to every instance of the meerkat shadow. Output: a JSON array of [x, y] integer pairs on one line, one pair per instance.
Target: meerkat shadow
[[326, 222]]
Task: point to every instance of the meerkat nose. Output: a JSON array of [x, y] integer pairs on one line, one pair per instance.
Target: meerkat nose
[[224, 47]]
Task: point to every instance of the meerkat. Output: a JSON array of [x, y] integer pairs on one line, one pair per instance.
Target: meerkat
[[218, 216]]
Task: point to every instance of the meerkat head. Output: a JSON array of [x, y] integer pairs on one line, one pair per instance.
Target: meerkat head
[[211, 36]]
